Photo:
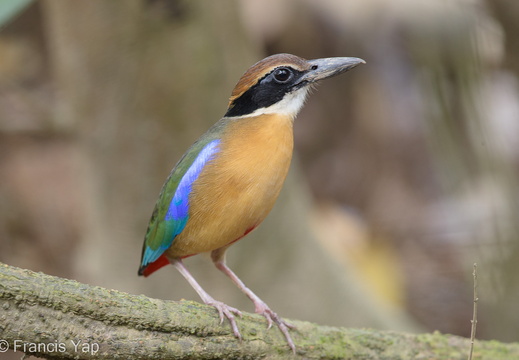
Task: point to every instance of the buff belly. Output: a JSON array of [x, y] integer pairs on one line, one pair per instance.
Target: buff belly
[[238, 188]]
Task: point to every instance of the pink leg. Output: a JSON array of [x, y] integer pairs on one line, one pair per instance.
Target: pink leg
[[260, 306], [223, 309]]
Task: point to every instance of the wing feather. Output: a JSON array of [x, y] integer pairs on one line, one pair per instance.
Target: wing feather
[[171, 212]]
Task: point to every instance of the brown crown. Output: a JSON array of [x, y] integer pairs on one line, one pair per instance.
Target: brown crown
[[263, 67]]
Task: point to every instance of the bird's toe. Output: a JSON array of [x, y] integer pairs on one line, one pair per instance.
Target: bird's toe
[[226, 311]]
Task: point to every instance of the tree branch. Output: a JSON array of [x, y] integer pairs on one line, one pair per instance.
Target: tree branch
[[62, 319]]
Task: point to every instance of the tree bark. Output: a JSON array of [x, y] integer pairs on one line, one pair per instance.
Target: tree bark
[[57, 318]]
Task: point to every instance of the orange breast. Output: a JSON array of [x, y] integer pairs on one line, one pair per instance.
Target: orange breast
[[236, 191]]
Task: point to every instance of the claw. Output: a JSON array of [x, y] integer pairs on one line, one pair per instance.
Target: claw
[[263, 309], [269, 320], [227, 311], [260, 309]]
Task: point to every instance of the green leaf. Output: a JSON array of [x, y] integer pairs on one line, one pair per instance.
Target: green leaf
[[9, 9]]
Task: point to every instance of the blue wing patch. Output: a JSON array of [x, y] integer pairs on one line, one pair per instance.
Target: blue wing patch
[[179, 206], [178, 211]]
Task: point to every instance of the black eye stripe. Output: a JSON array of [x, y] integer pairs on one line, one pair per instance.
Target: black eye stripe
[[267, 91]]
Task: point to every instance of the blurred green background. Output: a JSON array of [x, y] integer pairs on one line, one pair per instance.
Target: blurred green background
[[405, 170]]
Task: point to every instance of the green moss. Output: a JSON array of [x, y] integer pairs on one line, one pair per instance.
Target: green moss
[[185, 329]]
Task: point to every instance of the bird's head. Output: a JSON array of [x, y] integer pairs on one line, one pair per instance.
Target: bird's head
[[279, 83]]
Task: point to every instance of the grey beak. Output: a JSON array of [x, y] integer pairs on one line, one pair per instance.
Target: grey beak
[[325, 68]]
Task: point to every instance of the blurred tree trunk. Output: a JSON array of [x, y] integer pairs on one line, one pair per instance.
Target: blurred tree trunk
[[136, 82], [39, 227]]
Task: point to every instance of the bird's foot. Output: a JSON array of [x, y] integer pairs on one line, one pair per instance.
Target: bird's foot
[[263, 309], [227, 311]]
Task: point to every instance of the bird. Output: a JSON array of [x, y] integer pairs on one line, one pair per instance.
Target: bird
[[227, 182]]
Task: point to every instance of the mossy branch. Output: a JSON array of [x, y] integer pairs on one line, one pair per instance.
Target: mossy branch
[[78, 321]]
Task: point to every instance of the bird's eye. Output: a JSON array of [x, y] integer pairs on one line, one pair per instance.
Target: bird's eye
[[282, 75]]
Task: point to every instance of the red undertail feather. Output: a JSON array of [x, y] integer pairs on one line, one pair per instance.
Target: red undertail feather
[[244, 234], [249, 230], [154, 266]]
